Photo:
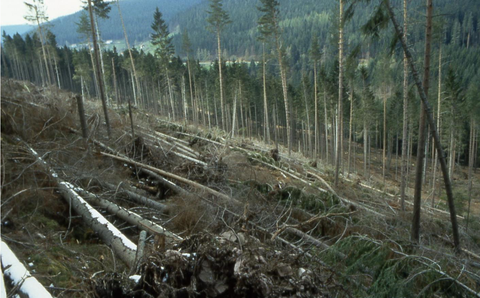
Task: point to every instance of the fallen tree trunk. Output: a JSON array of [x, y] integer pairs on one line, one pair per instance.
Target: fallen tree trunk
[[3, 293], [128, 216], [27, 285], [120, 244], [137, 197]]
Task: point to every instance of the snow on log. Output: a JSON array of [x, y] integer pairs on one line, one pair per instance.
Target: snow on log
[[120, 244], [19, 275], [128, 216], [3, 292]]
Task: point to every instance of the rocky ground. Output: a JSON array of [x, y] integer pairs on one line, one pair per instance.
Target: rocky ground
[[223, 217]]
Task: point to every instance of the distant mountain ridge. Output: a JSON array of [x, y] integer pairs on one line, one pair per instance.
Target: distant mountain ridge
[[14, 29], [137, 15]]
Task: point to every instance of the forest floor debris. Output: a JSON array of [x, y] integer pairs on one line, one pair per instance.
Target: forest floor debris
[[227, 251]]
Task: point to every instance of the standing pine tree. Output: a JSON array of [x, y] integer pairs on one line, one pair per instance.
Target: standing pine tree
[[269, 26], [218, 19], [163, 50]]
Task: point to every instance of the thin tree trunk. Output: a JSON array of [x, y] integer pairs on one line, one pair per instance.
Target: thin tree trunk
[[102, 94], [384, 157], [309, 139], [220, 78], [365, 148], [283, 76], [193, 104], [417, 196], [234, 116], [438, 121], [471, 154], [184, 98], [101, 58], [40, 33], [338, 159], [81, 113], [117, 97], [326, 123], [315, 97], [350, 129], [170, 94], [448, 186], [130, 53], [266, 127]]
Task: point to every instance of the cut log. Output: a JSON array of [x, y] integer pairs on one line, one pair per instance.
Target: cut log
[[19, 276], [128, 216]]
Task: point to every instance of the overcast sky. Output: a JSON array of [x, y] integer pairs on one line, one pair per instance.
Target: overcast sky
[[13, 11]]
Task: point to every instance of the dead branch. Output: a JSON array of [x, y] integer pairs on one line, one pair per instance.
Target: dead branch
[[172, 176], [136, 197], [307, 222]]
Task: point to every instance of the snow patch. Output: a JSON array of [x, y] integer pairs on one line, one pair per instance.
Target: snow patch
[[135, 278]]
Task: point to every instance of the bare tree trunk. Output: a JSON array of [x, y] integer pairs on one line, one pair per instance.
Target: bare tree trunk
[[184, 98], [326, 124], [101, 58], [117, 97], [309, 139], [438, 121], [220, 78], [417, 196], [130, 53], [338, 159], [350, 129], [471, 154], [384, 157], [266, 127], [193, 104], [365, 148], [81, 114], [315, 97], [283, 76], [234, 116], [100, 83], [448, 186]]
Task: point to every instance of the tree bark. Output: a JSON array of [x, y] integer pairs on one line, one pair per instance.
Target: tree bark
[[471, 154], [350, 129], [81, 115], [417, 195], [338, 159], [423, 97], [220, 78], [315, 97], [438, 122], [98, 75]]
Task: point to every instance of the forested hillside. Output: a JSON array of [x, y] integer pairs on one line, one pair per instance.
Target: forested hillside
[[366, 115], [137, 16]]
